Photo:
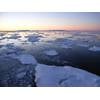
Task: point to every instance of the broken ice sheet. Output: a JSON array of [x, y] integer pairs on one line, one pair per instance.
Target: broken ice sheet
[[94, 48], [26, 59], [64, 76], [83, 45]]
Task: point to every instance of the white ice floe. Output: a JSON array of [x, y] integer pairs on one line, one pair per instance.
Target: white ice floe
[[66, 46], [51, 52], [94, 48], [26, 59], [64, 76], [83, 45], [13, 36]]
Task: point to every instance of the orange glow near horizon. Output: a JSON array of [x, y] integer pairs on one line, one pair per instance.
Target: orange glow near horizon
[[49, 21], [52, 27]]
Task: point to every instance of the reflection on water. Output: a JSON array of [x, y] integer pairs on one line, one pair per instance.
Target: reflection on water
[[72, 47]]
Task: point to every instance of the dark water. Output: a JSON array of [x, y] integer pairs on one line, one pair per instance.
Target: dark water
[[79, 57]]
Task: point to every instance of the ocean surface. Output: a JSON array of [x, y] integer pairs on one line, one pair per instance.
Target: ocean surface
[[55, 48]]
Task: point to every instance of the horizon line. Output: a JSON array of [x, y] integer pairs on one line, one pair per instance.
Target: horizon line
[[44, 30]]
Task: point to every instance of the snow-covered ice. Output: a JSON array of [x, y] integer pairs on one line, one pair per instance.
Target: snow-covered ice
[[64, 76], [14, 36], [94, 48], [83, 45], [26, 59], [51, 52], [65, 46]]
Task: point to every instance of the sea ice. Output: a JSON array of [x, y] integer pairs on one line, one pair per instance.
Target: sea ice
[[83, 45], [94, 48], [51, 52], [14, 36], [4, 50], [66, 46], [27, 59], [64, 76]]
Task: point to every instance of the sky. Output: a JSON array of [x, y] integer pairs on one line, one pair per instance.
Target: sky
[[49, 21]]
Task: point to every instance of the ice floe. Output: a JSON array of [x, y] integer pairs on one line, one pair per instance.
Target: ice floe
[[27, 59], [10, 49], [83, 45], [64, 76], [94, 48], [51, 52], [14, 36], [66, 46]]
